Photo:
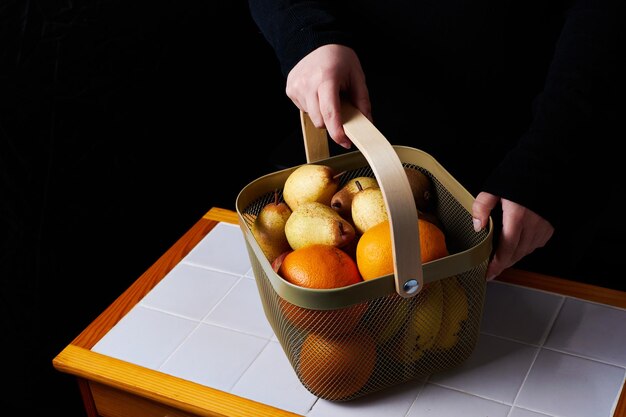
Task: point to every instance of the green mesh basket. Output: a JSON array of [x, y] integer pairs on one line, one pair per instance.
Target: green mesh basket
[[425, 318]]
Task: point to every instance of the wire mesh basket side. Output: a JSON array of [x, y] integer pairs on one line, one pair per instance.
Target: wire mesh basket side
[[343, 354]]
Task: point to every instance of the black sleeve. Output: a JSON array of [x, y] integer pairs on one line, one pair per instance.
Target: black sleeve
[[559, 162], [296, 27]]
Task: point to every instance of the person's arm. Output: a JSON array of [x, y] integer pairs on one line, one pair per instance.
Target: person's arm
[[316, 55], [559, 164], [294, 28], [583, 89]]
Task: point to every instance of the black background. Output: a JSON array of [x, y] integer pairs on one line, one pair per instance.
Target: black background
[[110, 115], [121, 124]]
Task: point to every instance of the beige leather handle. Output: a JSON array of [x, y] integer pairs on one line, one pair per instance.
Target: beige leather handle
[[394, 184]]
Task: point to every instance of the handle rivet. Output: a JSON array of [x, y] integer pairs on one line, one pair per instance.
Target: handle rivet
[[411, 286]]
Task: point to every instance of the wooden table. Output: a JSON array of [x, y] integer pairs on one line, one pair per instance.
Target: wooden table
[[111, 387]]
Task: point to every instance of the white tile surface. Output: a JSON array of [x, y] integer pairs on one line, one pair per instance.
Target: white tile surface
[[521, 412], [391, 402], [591, 330], [190, 291], [242, 310], [214, 356], [560, 384], [435, 401], [145, 337], [223, 249], [496, 369], [271, 380], [204, 322], [519, 313]]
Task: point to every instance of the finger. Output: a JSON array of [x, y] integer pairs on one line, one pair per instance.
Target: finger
[[312, 108], [360, 97], [292, 90], [297, 103], [330, 109], [508, 244], [532, 237], [481, 209], [503, 257]]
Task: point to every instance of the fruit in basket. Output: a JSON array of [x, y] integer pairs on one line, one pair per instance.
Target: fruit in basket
[[336, 368], [421, 187], [368, 208], [268, 228], [423, 325], [311, 182], [278, 261], [396, 310], [374, 255], [342, 200], [313, 222], [321, 267], [431, 217], [455, 312]]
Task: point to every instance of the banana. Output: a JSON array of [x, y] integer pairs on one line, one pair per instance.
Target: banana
[[399, 313], [423, 327], [455, 311]]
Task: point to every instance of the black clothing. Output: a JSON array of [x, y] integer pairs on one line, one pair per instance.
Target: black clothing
[[520, 99]]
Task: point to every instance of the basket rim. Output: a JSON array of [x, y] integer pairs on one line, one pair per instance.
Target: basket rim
[[453, 264]]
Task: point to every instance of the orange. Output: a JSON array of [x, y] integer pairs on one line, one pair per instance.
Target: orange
[[336, 368], [373, 252], [321, 266]]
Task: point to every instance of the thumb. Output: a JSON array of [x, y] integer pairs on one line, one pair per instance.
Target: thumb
[[481, 208]]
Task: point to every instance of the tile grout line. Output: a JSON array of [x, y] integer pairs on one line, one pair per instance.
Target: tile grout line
[[424, 382], [199, 323], [540, 346], [267, 343], [213, 268]]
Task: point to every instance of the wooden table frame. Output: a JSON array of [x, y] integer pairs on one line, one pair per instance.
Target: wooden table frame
[[117, 388]]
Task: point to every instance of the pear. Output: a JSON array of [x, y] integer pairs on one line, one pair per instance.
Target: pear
[[421, 187], [268, 228], [311, 182], [313, 222], [368, 208], [278, 261], [342, 200]]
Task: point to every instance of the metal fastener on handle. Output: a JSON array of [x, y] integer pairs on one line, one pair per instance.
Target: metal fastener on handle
[[410, 286]]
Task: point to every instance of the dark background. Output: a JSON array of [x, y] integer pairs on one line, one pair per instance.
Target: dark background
[[110, 114]]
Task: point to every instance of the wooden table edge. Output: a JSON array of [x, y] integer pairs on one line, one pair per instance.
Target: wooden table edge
[[78, 359]]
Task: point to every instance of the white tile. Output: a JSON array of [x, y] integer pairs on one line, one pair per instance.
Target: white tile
[[242, 310], [190, 291], [271, 380], [394, 401], [145, 337], [521, 412], [235, 350], [214, 356], [518, 313], [495, 370], [436, 401], [250, 273], [563, 385], [223, 249], [592, 330]]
